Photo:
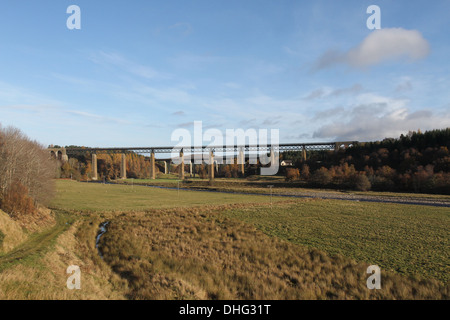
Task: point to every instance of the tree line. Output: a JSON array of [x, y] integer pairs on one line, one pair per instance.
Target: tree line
[[26, 173], [416, 162]]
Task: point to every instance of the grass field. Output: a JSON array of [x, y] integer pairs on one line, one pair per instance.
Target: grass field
[[259, 184], [411, 240], [198, 253], [90, 197], [165, 244]]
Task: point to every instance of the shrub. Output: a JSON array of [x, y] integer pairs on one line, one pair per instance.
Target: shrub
[[321, 177], [305, 172], [203, 174], [292, 174], [16, 201], [362, 183]]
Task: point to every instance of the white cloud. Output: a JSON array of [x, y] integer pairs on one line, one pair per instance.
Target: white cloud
[[116, 59], [404, 85], [329, 92], [379, 46], [97, 117], [184, 27], [380, 120], [318, 93], [179, 113]]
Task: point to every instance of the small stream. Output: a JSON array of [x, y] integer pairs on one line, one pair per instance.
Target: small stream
[[101, 232]]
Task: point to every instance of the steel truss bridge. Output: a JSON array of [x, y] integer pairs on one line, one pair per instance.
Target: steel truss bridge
[[316, 146]]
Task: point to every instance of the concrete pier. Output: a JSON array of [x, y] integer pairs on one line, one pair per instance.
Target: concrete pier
[[241, 161], [211, 165], [152, 165], [94, 167], [123, 166], [181, 169]]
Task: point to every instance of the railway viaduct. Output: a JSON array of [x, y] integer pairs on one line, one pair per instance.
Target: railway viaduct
[[196, 155]]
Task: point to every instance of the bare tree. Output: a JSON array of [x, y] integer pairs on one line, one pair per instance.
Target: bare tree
[[26, 162]]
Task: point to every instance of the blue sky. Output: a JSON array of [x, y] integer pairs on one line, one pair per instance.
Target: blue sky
[[138, 70]]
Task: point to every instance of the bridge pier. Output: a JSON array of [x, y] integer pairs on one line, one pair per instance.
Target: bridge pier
[[241, 161], [211, 165], [190, 168], [304, 153], [152, 166], [123, 167], [165, 168], [94, 167], [181, 171]]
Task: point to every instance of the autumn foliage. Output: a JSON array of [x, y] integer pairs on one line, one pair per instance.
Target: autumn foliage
[[17, 202], [26, 173], [417, 162]]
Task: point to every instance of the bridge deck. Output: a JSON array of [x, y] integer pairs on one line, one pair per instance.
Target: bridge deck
[[316, 146]]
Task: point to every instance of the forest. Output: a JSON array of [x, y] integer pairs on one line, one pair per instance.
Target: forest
[[416, 162]]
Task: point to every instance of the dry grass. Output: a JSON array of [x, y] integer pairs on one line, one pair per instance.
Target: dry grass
[[199, 254], [45, 277], [42, 219], [12, 231], [408, 239]]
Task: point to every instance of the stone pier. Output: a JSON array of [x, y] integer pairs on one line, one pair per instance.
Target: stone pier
[[181, 168], [241, 161], [123, 167], [211, 165], [152, 166], [94, 167]]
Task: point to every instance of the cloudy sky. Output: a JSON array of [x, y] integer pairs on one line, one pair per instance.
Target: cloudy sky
[[138, 70]]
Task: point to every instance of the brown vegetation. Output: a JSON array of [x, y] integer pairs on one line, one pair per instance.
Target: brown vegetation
[[418, 162], [44, 276], [292, 174], [200, 254], [12, 232], [26, 173]]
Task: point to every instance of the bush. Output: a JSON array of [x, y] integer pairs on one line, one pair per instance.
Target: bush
[[202, 173], [321, 177], [16, 201], [305, 172], [292, 174], [362, 183]]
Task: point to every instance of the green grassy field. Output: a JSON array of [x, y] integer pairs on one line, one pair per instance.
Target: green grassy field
[[91, 197], [412, 240], [259, 184]]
